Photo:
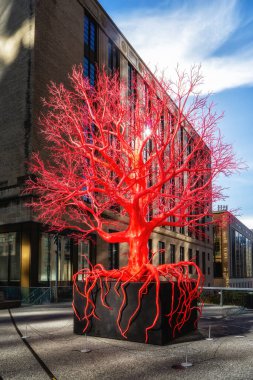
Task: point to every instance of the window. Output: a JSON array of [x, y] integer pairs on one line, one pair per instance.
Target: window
[[9, 257], [113, 57], [208, 270], [83, 255], [55, 258], [204, 262], [90, 48], [114, 255], [181, 254], [89, 70], [181, 230], [150, 250], [132, 78], [89, 32], [197, 258], [146, 153], [190, 259], [161, 249], [132, 94], [241, 254], [172, 253], [172, 219]]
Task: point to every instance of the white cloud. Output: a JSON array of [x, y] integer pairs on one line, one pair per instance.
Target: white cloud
[[164, 37], [247, 220]]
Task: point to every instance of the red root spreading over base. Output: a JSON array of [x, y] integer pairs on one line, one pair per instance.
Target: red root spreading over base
[[181, 308]]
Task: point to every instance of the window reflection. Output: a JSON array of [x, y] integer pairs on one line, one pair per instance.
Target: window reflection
[[9, 257], [55, 258], [241, 255]]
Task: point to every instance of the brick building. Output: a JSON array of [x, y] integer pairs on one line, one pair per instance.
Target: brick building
[[41, 41]]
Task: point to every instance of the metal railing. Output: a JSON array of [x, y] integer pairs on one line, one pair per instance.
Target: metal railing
[[45, 295], [11, 293], [229, 296], [37, 295]]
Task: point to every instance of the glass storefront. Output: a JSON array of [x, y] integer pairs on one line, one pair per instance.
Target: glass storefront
[[83, 256], [55, 258], [241, 255], [9, 257]]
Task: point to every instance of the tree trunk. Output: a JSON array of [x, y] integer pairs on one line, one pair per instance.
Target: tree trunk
[[138, 235], [138, 253]]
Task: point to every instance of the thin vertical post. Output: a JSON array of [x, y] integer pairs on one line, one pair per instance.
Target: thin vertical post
[[221, 297]]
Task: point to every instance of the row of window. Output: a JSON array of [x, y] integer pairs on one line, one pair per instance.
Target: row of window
[[114, 256], [56, 257], [245, 284], [182, 257]]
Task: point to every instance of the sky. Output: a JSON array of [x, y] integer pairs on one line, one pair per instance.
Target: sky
[[218, 34]]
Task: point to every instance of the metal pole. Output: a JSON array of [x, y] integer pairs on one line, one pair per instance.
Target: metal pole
[[221, 298], [57, 268]]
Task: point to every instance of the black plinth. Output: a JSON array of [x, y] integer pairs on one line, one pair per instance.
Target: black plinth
[[107, 327]]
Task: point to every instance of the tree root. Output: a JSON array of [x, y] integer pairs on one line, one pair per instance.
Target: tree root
[[181, 307]]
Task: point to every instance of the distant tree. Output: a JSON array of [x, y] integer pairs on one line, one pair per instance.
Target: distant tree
[[128, 158]]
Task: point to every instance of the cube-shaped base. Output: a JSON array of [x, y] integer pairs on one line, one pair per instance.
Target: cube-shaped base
[[106, 326]]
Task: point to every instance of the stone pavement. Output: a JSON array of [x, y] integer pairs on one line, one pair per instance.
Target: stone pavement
[[52, 351]]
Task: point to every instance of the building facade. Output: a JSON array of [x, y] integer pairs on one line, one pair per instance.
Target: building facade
[[233, 251], [42, 41]]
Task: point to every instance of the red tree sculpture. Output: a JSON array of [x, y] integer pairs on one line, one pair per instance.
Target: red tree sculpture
[[127, 158]]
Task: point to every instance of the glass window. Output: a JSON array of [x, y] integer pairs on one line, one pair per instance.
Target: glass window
[[181, 230], [150, 250], [55, 258], [161, 249], [90, 48], [89, 33], [172, 253], [114, 255], [241, 255], [197, 257], [132, 78], [181, 254], [190, 259], [65, 259], [92, 74], [113, 57], [86, 29], [89, 70], [204, 262], [83, 256], [86, 67], [92, 36], [10, 256]]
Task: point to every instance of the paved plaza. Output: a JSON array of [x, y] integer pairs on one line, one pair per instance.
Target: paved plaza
[[51, 350]]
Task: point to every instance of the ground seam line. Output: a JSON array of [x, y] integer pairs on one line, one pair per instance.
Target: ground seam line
[[36, 356]]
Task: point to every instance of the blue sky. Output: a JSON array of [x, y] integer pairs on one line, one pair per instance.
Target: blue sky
[[218, 34]]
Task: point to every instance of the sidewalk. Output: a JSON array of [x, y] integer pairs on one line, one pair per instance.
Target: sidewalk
[[53, 351]]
